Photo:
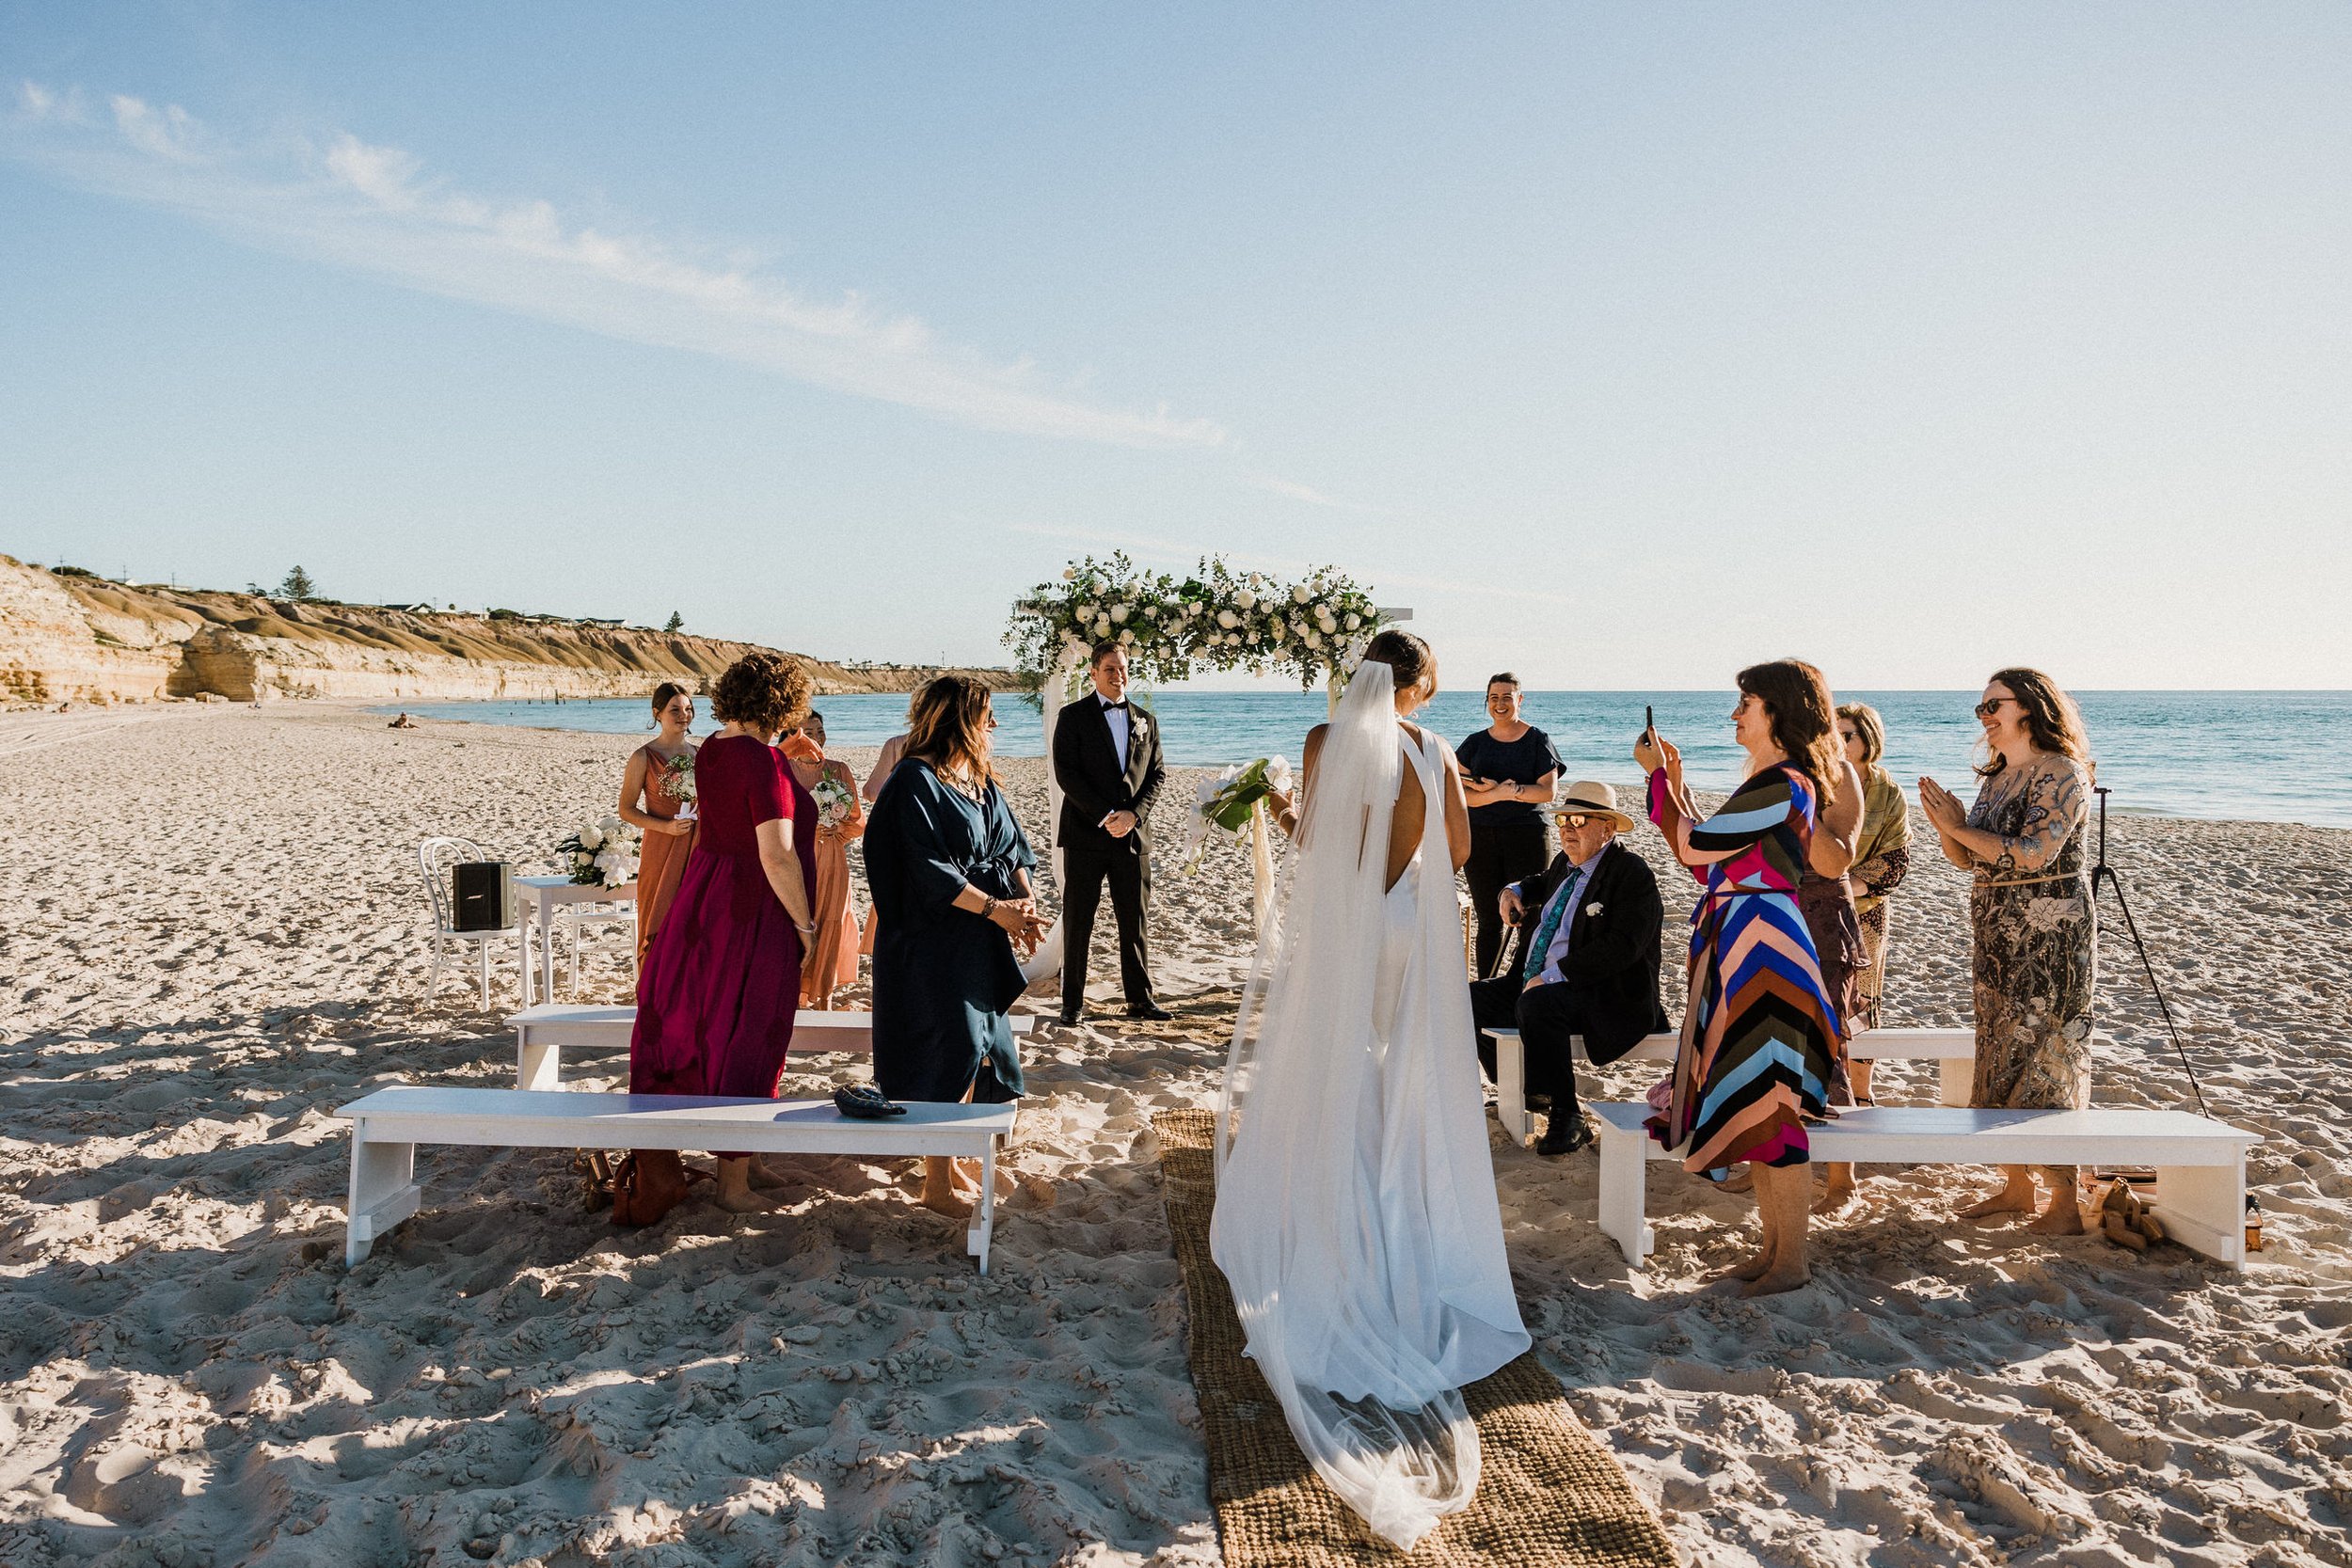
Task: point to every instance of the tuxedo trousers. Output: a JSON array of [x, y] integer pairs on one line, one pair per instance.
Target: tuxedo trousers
[[1128, 875], [1548, 1019]]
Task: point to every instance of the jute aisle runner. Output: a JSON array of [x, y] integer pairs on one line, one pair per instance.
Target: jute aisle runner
[[1548, 1494]]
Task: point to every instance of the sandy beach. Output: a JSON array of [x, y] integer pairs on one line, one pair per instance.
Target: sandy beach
[[212, 933]]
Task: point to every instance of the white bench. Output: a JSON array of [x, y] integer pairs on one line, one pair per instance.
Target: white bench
[[387, 1127], [2200, 1164], [1955, 1049], [541, 1033]]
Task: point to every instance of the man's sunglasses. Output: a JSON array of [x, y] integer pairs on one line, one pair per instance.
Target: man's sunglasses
[[1570, 819]]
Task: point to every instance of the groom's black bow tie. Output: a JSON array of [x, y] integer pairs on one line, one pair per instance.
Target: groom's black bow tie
[[1108, 704]]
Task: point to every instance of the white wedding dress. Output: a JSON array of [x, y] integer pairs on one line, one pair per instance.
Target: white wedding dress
[[1356, 1216]]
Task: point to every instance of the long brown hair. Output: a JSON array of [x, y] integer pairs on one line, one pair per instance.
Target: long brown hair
[[2053, 723], [1804, 722], [948, 726]]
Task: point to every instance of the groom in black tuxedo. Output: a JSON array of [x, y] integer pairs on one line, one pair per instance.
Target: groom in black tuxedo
[[1586, 962], [1106, 759]]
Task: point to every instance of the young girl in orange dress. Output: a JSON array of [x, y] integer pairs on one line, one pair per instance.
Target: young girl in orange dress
[[666, 820], [832, 959]]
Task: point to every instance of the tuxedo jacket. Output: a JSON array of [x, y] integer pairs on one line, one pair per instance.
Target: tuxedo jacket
[[1612, 958], [1093, 785]]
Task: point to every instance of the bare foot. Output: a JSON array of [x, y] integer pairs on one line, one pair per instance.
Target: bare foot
[[746, 1202], [766, 1179], [1836, 1198], [2009, 1200], [1752, 1267], [947, 1203], [2064, 1217], [1776, 1282]]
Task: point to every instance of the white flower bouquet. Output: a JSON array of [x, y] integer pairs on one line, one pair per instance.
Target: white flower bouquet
[[834, 802], [1226, 803], [601, 854]]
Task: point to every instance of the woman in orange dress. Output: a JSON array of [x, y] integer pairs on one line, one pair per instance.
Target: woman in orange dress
[[666, 820], [833, 956]]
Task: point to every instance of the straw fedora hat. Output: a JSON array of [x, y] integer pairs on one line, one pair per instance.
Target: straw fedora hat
[[1594, 800]]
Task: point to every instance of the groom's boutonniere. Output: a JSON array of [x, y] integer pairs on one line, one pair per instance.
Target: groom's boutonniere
[[1592, 909]]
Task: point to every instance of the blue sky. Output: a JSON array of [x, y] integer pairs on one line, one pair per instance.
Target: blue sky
[[1625, 344]]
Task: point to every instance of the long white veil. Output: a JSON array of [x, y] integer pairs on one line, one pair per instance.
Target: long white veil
[[1356, 1216]]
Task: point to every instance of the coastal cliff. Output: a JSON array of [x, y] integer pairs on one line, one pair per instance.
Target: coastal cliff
[[66, 636]]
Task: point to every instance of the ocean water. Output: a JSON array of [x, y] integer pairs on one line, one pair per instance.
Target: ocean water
[[2267, 757]]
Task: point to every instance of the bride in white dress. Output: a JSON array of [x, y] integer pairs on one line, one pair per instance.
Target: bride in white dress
[[1356, 1216]]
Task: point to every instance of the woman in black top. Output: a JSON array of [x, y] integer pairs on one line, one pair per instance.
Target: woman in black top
[[1508, 770]]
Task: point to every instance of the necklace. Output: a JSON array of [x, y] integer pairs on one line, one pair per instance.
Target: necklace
[[976, 793]]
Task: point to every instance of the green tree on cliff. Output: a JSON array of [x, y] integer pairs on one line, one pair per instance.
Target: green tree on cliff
[[677, 622], [297, 586]]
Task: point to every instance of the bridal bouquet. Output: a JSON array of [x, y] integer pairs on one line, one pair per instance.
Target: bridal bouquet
[[834, 802], [599, 854], [1226, 802]]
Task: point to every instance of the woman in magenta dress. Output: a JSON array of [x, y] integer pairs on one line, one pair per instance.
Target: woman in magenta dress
[[723, 977]]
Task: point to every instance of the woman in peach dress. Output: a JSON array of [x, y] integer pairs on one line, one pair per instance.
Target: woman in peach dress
[[831, 961], [666, 821]]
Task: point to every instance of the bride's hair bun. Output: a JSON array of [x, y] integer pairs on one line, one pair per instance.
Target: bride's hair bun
[[1404, 655]]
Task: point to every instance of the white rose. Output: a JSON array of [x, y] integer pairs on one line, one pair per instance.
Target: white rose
[[1232, 640], [1120, 613], [1227, 619], [1299, 594], [1126, 636], [590, 838], [1314, 639], [1102, 626], [1245, 599], [1328, 624], [1354, 621], [1068, 574]]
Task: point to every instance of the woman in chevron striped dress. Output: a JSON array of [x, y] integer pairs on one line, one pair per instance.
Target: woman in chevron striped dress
[[1758, 1030]]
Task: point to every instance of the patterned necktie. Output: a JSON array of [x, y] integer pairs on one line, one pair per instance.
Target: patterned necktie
[[1541, 947]]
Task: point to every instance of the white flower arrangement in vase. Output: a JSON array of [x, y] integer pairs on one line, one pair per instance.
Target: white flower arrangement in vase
[[601, 854]]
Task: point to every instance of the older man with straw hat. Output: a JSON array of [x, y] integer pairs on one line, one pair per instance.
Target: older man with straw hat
[[1586, 961]]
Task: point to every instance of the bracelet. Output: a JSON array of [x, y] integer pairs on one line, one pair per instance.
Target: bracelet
[[987, 908]]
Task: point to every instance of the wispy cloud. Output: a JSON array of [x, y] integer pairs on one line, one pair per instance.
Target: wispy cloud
[[375, 209], [1293, 490]]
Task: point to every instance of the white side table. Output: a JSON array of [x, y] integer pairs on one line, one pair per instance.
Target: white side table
[[544, 895]]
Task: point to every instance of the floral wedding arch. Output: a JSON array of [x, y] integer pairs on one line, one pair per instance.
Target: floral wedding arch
[[1216, 621]]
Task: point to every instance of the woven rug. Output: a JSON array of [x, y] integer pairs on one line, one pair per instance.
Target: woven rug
[[1548, 1494]]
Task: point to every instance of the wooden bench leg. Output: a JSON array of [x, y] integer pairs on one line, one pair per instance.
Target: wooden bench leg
[[1511, 1084], [2203, 1207], [384, 1192], [1624, 1178], [984, 1212], [538, 1064]]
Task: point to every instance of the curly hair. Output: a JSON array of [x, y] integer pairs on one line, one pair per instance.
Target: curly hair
[[1801, 709], [765, 692], [2052, 720], [947, 724]]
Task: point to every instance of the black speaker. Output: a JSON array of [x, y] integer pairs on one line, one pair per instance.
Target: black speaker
[[483, 895]]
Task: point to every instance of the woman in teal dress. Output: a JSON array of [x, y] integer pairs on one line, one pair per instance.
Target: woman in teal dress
[[948, 870]]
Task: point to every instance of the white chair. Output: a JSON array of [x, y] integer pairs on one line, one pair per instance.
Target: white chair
[[582, 919], [435, 857]]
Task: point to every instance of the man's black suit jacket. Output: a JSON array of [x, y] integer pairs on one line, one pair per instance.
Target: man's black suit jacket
[[1086, 764], [1612, 956]]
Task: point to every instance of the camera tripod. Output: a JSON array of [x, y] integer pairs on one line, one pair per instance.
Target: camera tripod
[[2103, 872]]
